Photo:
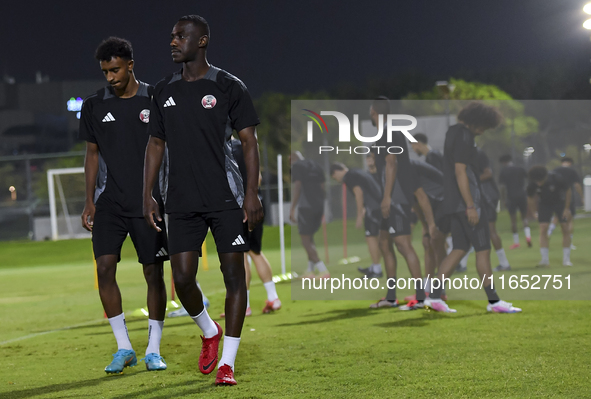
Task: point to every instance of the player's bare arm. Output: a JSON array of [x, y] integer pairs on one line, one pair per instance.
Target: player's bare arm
[[464, 186], [427, 211], [153, 160], [91, 166], [566, 214], [252, 205], [295, 197], [358, 192], [390, 173]]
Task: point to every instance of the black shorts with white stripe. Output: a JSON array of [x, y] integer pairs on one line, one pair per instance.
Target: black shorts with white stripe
[[186, 231], [110, 231], [464, 235]]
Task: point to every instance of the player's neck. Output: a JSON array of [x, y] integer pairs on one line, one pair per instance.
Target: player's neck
[[195, 70], [130, 90]]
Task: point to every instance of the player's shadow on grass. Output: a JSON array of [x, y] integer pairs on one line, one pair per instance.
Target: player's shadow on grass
[[27, 393], [333, 315], [205, 386], [425, 320]]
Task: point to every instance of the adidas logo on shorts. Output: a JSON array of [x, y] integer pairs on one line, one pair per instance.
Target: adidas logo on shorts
[[391, 230], [162, 252], [169, 103], [238, 240], [109, 118]]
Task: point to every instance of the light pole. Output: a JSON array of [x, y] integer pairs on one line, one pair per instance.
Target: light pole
[[445, 89]]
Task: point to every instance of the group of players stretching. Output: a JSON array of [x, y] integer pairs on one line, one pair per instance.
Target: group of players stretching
[[453, 194]]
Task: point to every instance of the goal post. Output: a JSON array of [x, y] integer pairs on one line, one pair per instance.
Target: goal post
[[54, 182]]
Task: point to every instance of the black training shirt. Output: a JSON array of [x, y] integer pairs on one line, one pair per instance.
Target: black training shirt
[[460, 147], [311, 175], [569, 175], [196, 119], [404, 185], [490, 191], [514, 179], [435, 158], [552, 192], [119, 126], [372, 194], [431, 180]]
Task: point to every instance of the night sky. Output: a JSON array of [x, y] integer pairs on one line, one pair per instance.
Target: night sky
[[299, 45]]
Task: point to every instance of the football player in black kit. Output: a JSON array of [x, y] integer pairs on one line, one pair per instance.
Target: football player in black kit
[[193, 113], [114, 124]]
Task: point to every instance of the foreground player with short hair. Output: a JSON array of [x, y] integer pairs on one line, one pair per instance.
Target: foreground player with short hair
[[114, 123], [554, 196], [192, 112], [513, 178], [463, 201]]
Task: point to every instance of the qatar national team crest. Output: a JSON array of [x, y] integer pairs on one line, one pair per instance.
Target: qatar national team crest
[[145, 115], [208, 101]]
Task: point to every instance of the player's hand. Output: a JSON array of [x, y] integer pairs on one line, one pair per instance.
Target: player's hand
[[152, 213], [435, 233], [88, 216], [472, 216], [386, 207], [253, 210], [566, 215]]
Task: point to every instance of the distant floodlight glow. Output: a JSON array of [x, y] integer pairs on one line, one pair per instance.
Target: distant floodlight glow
[[587, 8], [587, 24]]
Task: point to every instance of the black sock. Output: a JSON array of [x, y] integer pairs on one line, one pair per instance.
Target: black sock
[[391, 295], [491, 294], [436, 293], [420, 294]]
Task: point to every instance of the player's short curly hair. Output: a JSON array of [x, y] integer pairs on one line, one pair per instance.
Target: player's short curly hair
[[480, 115], [198, 21], [336, 166], [114, 47], [537, 173], [567, 159]]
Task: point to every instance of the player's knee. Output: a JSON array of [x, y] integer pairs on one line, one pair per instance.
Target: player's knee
[[154, 274]]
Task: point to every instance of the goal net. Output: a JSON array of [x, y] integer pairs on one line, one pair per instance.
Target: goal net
[[66, 202]]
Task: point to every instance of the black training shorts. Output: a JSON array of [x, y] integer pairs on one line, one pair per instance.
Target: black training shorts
[[464, 235], [309, 220], [186, 231], [398, 223], [110, 231]]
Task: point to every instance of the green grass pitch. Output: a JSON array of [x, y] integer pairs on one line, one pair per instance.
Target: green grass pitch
[[55, 343]]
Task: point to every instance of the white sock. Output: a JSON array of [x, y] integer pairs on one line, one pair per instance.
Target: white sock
[[565, 255], [527, 232], [515, 238], [310, 266], [206, 324], [545, 258], [321, 267], [247, 299], [271, 291], [502, 257], [376, 268], [551, 229], [154, 336], [229, 352], [120, 330], [450, 244], [571, 238]]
